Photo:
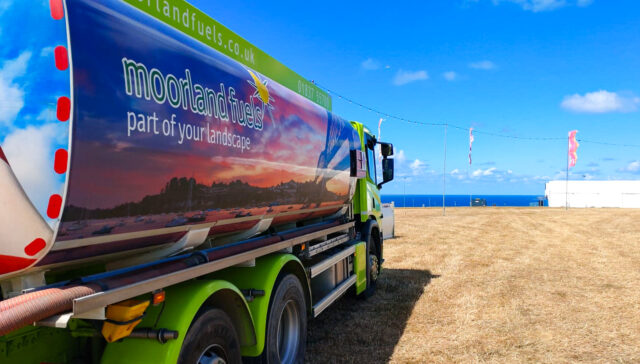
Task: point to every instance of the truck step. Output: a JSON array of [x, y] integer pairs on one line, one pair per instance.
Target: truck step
[[333, 295], [322, 266]]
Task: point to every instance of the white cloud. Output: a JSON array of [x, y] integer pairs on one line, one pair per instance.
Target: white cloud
[[405, 77], [583, 3], [633, 167], [408, 168], [370, 64], [417, 167], [30, 152], [4, 5], [457, 174], [483, 65], [400, 157], [541, 5], [483, 172], [11, 95], [600, 102], [450, 76]]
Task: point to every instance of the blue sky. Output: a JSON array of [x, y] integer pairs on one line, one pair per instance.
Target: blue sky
[[524, 68], [528, 68]]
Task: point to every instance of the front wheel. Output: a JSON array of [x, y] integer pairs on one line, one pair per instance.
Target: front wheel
[[373, 263], [286, 336], [211, 339]]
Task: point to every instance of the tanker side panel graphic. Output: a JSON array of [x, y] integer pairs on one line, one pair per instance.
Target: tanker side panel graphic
[[169, 135]]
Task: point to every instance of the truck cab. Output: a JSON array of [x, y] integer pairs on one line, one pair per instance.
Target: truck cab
[[367, 204]]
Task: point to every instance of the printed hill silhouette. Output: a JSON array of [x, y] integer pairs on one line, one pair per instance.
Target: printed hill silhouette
[[185, 194]]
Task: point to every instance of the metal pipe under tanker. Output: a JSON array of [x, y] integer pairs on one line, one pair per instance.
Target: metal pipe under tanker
[[170, 142]]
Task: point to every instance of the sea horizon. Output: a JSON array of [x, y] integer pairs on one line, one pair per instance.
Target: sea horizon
[[416, 200]]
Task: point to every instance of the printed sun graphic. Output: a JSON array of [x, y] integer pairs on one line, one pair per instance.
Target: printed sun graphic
[[262, 93]]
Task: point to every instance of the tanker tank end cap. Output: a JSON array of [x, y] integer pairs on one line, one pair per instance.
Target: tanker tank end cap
[[262, 89]]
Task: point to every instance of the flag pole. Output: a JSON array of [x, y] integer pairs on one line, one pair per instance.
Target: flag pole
[[444, 173], [468, 179], [469, 166], [404, 202], [566, 189]]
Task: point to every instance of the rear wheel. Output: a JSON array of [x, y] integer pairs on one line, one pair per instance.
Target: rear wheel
[[286, 336], [211, 339]]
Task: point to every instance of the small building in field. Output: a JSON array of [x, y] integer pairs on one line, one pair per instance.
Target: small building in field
[[623, 194]]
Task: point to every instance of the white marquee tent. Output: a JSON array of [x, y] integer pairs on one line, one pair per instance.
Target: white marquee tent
[[624, 194]]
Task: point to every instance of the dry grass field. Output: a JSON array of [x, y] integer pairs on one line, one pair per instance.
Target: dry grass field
[[496, 285]]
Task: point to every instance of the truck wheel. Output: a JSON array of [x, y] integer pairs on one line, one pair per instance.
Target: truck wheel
[[212, 339], [286, 336], [373, 266]]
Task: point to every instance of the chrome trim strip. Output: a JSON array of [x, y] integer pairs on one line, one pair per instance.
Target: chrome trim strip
[[334, 295], [315, 270]]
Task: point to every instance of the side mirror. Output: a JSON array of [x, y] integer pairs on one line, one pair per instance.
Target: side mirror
[[387, 171], [386, 149]]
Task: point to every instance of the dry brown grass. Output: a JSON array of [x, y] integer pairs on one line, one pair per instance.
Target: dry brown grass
[[496, 285]]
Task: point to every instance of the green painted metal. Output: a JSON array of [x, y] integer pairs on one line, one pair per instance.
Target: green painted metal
[[188, 19], [180, 308], [366, 201], [262, 277], [360, 267], [42, 345], [374, 203], [360, 197]]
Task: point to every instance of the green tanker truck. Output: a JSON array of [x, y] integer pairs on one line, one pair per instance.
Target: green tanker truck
[[202, 202]]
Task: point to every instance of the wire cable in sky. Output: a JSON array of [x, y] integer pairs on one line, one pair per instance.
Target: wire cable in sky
[[498, 135]]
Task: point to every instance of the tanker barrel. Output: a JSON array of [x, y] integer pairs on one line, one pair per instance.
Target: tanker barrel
[[156, 144]]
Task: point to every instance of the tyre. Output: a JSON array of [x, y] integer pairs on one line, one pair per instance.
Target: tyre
[[286, 336], [211, 339], [373, 263]]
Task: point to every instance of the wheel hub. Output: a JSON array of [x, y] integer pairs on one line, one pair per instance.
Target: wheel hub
[[214, 354], [288, 333], [373, 259]]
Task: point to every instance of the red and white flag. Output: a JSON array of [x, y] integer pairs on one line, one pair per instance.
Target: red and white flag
[[573, 148], [470, 143]]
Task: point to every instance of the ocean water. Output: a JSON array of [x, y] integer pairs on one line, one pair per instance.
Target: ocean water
[[461, 200]]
